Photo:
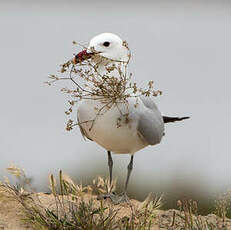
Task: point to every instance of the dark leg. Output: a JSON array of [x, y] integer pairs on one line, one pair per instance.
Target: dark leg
[[115, 198], [110, 165], [130, 167], [124, 197], [110, 194]]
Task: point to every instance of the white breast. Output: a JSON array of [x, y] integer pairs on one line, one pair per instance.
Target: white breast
[[106, 128]]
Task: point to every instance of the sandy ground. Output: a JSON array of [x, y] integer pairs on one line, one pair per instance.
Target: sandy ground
[[11, 214]]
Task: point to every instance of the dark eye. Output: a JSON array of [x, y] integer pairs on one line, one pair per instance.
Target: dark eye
[[106, 44]]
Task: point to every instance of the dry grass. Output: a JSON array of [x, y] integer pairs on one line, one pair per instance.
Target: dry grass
[[71, 206]]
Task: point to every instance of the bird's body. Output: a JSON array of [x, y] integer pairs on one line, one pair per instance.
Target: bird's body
[[119, 127], [126, 125]]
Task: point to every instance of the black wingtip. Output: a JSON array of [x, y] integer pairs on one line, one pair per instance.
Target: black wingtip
[[184, 118], [173, 119]]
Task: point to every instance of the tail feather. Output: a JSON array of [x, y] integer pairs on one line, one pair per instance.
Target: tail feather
[[173, 119]]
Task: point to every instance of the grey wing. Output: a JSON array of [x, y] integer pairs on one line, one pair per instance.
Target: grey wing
[[151, 124]]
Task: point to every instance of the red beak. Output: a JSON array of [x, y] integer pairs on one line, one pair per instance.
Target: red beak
[[82, 56]]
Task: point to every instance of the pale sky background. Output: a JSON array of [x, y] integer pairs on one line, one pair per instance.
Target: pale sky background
[[184, 46]]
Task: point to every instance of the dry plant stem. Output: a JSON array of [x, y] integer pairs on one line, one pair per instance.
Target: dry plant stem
[[173, 219], [76, 82], [62, 190], [98, 113], [111, 88]]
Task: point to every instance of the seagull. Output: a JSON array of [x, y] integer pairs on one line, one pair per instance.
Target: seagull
[[146, 123]]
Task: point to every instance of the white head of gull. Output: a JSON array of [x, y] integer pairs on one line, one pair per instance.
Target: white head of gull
[[110, 46]]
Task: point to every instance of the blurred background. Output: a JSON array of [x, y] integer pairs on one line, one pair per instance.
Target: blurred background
[[184, 46]]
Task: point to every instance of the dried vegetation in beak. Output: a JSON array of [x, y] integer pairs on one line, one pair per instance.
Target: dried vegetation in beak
[[113, 87]]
